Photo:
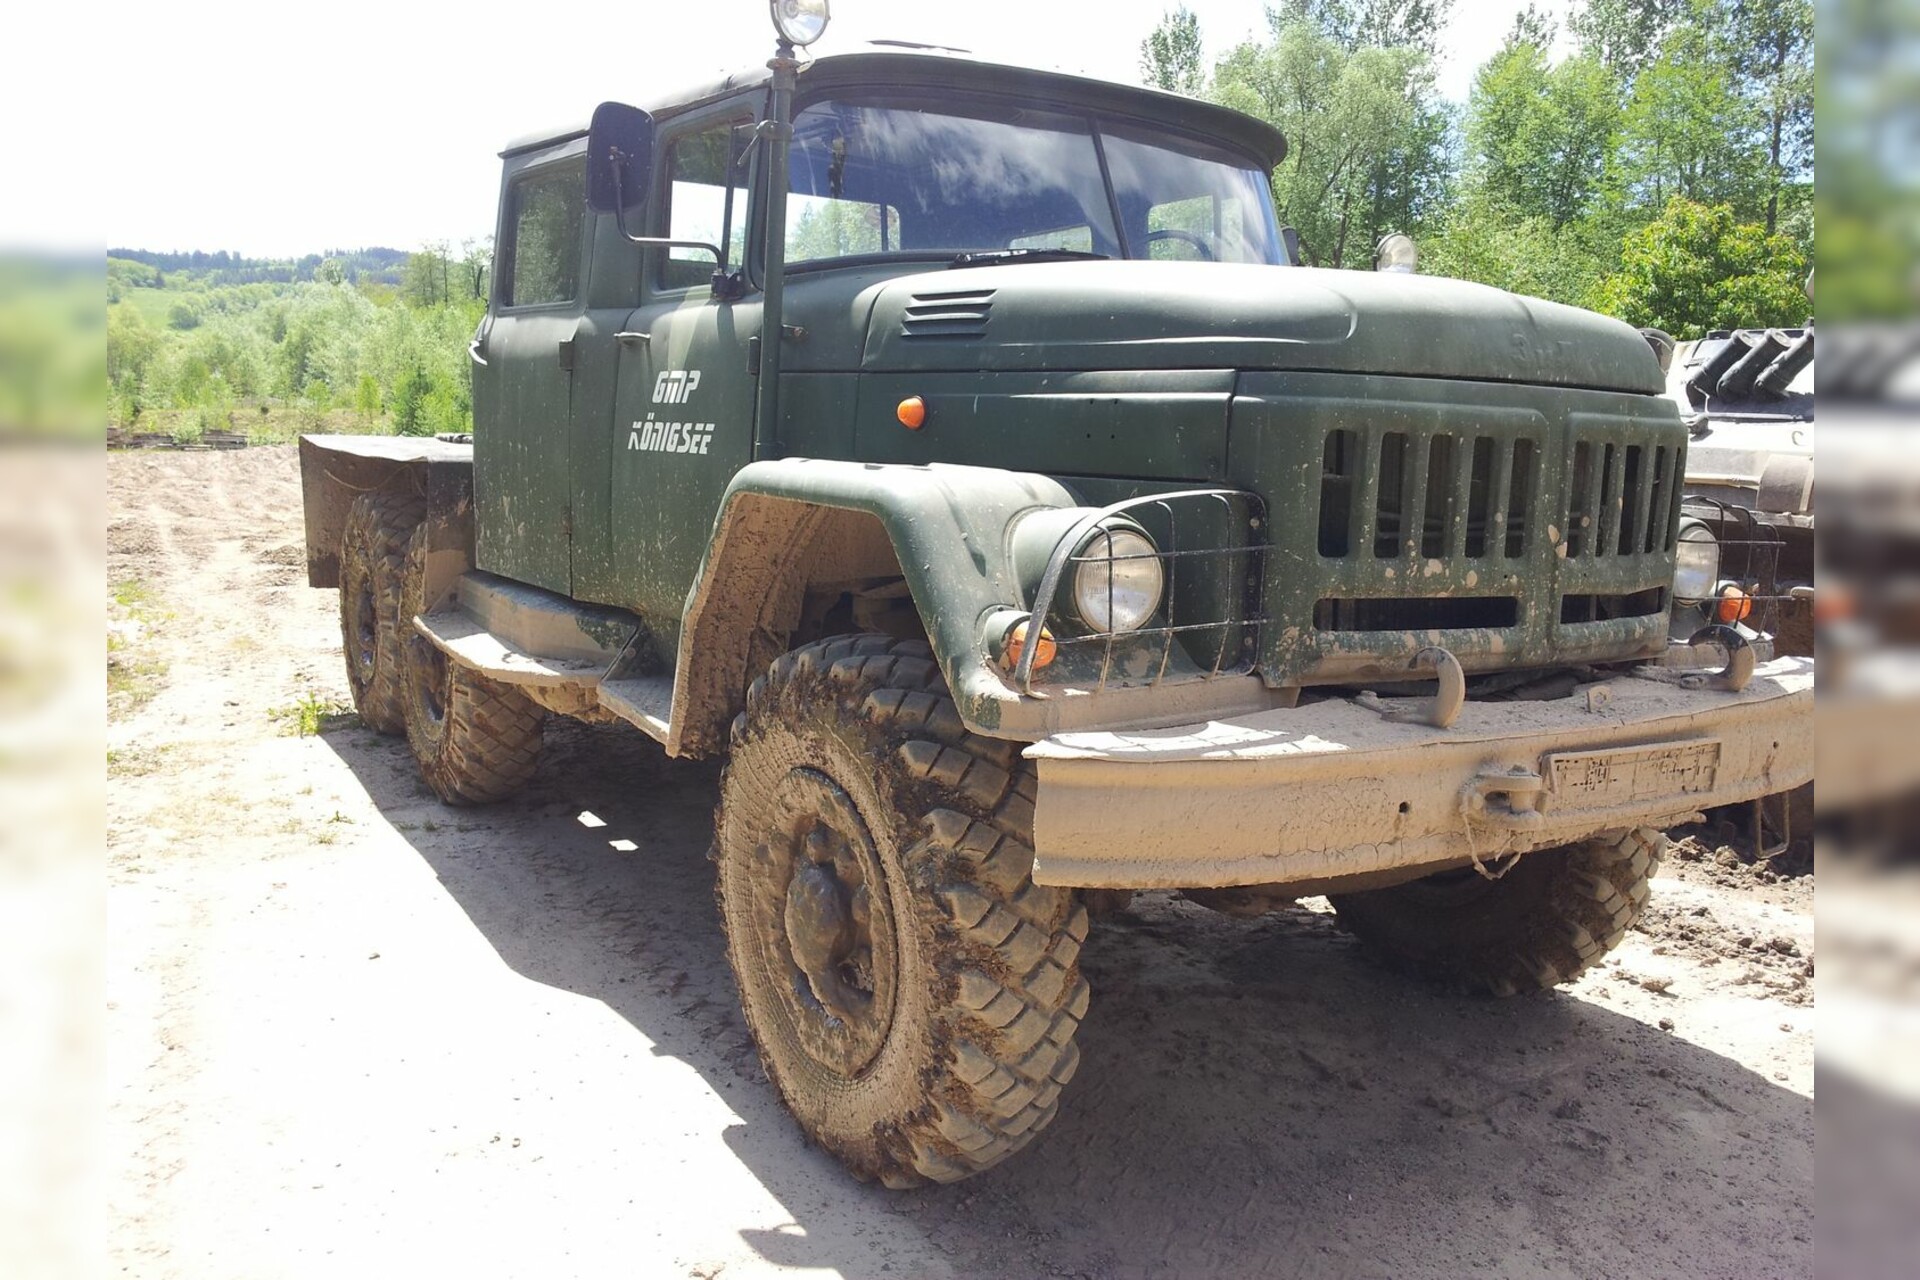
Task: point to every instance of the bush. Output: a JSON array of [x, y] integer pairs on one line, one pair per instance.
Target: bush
[[1696, 269]]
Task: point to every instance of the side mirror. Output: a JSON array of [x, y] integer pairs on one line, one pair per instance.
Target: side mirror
[[619, 158], [1291, 239]]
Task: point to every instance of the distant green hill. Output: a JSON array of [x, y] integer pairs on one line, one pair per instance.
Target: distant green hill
[[373, 265]]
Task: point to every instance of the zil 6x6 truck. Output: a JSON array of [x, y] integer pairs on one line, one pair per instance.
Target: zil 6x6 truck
[[961, 453]]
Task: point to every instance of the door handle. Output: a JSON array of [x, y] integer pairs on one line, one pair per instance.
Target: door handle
[[566, 354], [473, 352]]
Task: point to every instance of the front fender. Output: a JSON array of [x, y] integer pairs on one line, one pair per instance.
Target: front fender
[[947, 526]]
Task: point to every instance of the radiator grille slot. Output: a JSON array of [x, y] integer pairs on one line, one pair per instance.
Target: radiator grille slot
[[950, 314], [1431, 494], [1415, 613], [1623, 499]]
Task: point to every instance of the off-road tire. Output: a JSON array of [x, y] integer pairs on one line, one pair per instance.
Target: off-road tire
[[475, 741], [1547, 921], [985, 984], [373, 548]]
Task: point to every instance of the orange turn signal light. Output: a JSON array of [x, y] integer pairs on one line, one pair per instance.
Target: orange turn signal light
[[1735, 604], [1833, 604], [1043, 654], [912, 413]]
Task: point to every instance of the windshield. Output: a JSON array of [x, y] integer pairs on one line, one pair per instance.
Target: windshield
[[874, 176]]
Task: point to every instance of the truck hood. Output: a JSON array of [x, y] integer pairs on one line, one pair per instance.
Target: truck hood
[[1198, 315]]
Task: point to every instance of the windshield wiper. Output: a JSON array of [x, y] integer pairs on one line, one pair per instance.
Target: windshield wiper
[[994, 257]]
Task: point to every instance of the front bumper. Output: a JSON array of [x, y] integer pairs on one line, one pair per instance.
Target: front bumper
[[1332, 792]]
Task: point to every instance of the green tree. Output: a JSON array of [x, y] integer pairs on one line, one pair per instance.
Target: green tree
[[1170, 57], [1688, 132], [1364, 134], [1539, 137], [428, 278], [410, 396], [1357, 24], [1767, 48], [1533, 26], [366, 398], [1624, 35], [1698, 268]]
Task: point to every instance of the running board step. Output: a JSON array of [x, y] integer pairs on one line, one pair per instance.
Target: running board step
[[472, 645], [646, 702]]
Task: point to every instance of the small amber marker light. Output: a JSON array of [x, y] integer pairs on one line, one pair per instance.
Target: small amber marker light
[[1017, 644], [912, 413], [1735, 604]]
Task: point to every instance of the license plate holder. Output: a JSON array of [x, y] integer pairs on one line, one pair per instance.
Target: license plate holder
[[1625, 775]]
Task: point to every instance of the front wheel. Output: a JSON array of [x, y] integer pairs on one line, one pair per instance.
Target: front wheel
[[914, 995], [1546, 921]]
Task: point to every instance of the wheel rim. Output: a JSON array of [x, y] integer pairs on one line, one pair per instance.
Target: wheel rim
[[428, 678], [824, 924]]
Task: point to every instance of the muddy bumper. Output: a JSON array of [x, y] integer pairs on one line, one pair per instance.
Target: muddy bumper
[[1332, 791]]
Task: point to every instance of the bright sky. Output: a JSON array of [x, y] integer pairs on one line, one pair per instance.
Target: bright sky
[[275, 130]]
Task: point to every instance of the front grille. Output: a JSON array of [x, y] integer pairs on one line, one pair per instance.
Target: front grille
[[961, 313], [1623, 498], [1428, 495]]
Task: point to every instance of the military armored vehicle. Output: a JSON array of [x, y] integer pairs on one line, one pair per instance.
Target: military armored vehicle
[[1747, 397], [957, 450]]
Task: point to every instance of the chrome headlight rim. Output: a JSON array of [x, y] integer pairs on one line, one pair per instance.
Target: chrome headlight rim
[[1118, 581], [799, 22], [1696, 563]]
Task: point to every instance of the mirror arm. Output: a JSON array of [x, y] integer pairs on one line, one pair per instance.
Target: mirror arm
[[620, 220]]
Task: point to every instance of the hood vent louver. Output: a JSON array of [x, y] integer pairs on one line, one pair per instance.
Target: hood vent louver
[[959, 313]]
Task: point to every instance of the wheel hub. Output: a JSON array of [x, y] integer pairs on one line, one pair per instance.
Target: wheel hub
[[823, 908]]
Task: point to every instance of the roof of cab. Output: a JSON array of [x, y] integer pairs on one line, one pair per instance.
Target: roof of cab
[[886, 63]]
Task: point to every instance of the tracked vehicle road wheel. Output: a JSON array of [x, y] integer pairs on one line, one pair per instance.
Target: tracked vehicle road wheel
[[1545, 922], [914, 995], [475, 741], [373, 548]]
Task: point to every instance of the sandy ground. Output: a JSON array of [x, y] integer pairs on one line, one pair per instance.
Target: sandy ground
[[356, 1033]]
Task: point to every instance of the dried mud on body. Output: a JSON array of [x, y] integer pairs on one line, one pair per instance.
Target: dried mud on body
[[354, 1031]]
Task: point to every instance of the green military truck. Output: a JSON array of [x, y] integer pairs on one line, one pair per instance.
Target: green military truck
[[960, 451]]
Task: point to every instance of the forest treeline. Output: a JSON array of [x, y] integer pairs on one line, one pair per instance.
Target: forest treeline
[[1653, 161], [363, 340]]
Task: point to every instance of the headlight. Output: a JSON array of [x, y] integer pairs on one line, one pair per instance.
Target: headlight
[[1117, 580], [1696, 563], [1396, 252], [799, 22]]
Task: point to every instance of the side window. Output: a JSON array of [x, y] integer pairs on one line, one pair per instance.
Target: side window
[[544, 261], [697, 167]]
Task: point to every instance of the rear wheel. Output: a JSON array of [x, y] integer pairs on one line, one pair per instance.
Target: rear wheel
[[914, 995], [476, 741], [1545, 922], [372, 550]]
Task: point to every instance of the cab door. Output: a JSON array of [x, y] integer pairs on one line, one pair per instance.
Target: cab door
[[683, 422], [523, 372]]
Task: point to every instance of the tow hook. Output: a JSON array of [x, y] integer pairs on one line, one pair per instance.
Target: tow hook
[[1740, 657], [1741, 661], [1443, 708], [1509, 801]]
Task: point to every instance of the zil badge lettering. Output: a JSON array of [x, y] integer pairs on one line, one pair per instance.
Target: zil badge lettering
[[655, 434]]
